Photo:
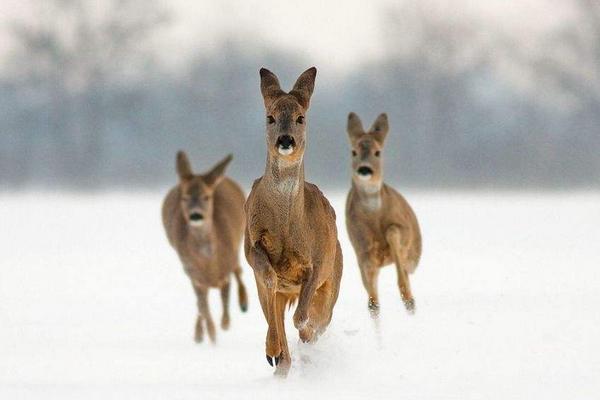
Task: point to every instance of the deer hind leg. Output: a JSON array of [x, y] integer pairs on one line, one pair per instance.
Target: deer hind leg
[[225, 300], [324, 300], [369, 273], [399, 244], [319, 313], [336, 281], [242, 294], [202, 295]]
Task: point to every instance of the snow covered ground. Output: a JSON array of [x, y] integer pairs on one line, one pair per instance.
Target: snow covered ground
[[94, 305]]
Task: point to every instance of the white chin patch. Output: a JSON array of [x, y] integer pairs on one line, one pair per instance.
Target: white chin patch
[[364, 177], [285, 152], [196, 224]]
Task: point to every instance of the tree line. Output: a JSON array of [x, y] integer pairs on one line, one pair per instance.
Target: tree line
[[86, 104]]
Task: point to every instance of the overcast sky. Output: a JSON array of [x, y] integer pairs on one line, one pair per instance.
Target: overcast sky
[[333, 35]]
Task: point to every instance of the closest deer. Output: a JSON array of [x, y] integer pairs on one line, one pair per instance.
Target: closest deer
[[291, 237], [382, 227], [204, 221]]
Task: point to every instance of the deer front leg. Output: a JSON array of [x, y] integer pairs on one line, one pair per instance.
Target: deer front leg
[[266, 282], [260, 263], [199, 330], [307, 292], [204, 311], [225, 301], [242, 294], [399, 243], [369, 272], [265, 297], [284, 361], [273, 342]]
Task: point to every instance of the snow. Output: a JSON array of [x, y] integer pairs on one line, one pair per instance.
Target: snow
[[94, 304]]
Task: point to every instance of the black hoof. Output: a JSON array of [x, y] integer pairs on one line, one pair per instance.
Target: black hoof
[[410, 306], [273, 360], [373, 308], [244, 307]]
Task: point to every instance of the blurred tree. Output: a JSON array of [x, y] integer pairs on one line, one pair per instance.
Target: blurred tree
[[68, 61], [564, 69], [432, 65], [87, 105]]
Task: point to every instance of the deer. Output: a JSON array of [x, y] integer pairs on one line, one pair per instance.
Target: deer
[[291, 236], [203, 216], [381, 225]]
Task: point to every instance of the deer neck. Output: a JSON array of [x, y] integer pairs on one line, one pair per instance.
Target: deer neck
[[285, 181], [202, 241], [369, 194]]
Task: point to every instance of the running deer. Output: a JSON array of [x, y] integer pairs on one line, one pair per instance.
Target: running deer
[[204, 220], [291, 237], [382, 226]]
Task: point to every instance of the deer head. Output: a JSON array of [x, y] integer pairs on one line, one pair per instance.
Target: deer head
[[197, 191], [286, 114], [366, 150]]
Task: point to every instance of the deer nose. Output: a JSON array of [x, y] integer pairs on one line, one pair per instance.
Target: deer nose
[[285, 144], [365, 171], [285, 141], [196, 217]]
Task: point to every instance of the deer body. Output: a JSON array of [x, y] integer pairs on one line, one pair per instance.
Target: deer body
[[382, 226], [204, 222], [291, 237]]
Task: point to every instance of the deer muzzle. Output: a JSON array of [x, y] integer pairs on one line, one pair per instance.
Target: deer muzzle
[[364, 172], [285, 145], [196, 218]]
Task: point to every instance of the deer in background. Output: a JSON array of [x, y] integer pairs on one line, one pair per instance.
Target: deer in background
[[204, 220], [291, 237], [381, 225]]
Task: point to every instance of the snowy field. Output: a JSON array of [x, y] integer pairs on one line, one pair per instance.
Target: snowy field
[[94, 305]]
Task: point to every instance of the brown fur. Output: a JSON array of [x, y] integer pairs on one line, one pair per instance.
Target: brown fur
[[209, 252], [291, 236], [382, 226]]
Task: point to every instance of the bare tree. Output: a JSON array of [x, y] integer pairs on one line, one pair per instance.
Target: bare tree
[[567, 66], [70, 55]]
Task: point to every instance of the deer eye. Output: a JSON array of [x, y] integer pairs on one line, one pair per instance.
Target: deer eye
[[353, 153], [300, 120], [270, 120], [377, 153]]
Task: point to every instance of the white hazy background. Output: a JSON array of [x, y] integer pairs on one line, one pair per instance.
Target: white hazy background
[[494, 110]]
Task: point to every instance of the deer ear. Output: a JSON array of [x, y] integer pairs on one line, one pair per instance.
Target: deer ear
[[269, 86], [184, 168], [304, 86], [380, 128], [216, 174], [355, 128]]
